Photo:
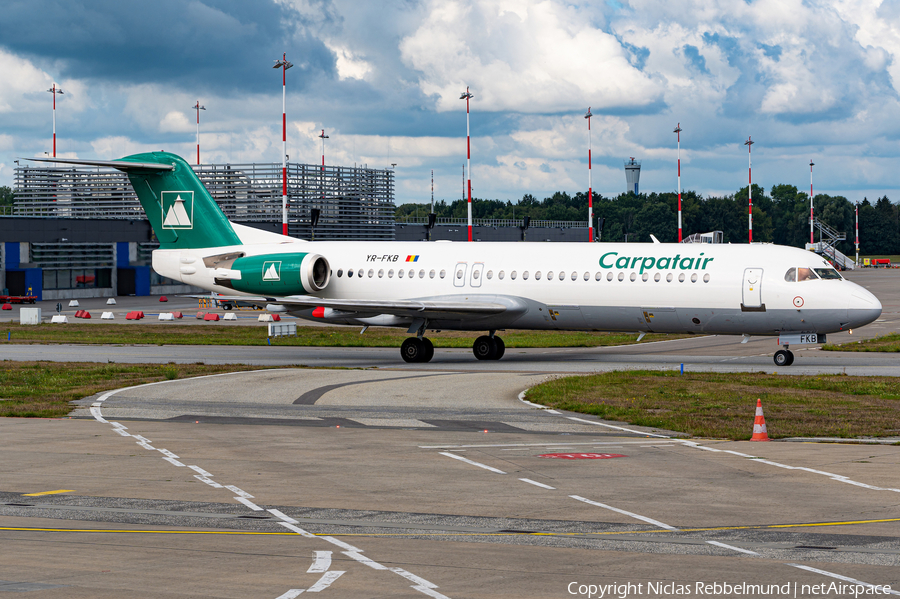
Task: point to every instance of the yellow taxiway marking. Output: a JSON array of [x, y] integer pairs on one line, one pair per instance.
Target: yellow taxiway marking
[[446, 534], [48, 492]]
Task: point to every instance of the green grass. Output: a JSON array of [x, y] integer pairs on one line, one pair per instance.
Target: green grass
[[884, 343], [44, 389], [722, 405], [225, 334]]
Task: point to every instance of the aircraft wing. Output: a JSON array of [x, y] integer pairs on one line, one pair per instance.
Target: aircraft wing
[[418, 308]]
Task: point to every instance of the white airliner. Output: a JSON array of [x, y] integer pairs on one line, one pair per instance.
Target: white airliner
[[757, 289]]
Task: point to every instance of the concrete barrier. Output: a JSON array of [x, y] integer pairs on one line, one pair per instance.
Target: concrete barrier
[[137, 315], [73, 303], [230, 316], [78, 313], [107, 316], [201, 315], [265, 318], [85, 314], [166, 316], [178, 315], [7, 306], [163, 298], [276, 317], [211, 317], [111, 301], [59, 319]]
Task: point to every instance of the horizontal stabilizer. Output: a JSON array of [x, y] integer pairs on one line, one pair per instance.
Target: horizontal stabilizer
[[122, 165]]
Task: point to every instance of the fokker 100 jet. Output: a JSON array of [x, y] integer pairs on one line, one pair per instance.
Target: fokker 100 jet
[[754, 289]]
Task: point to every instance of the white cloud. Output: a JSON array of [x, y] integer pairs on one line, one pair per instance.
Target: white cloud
[[350, 65], [539, 57], [176, 121], [21, 83]]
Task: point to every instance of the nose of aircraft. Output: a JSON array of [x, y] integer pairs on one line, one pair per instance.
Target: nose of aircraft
[[864, 307]]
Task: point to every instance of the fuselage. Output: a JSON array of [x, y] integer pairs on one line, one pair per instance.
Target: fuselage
[[700, 288]]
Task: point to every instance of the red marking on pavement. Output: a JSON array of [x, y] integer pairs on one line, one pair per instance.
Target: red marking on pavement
[[582, 456]]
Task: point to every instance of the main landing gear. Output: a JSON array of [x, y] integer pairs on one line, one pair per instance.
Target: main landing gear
[[420, 349], [489, 347], [784, 357]]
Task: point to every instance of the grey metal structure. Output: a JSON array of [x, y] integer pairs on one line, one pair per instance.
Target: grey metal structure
[[633, 175], [353, 202]]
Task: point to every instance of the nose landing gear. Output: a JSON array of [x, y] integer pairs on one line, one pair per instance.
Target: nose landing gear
[[784, 357]]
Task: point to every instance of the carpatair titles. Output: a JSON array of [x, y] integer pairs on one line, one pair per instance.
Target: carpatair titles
[[676, 262]]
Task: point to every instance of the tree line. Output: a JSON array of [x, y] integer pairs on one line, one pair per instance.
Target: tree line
[[779, 216]]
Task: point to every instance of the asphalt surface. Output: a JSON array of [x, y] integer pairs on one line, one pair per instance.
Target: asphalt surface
[[398, 480]]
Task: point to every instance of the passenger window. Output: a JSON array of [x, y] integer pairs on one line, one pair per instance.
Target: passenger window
[[587, 276], [490, 274], [694, 278], [459, 274], [706, 278], [431, 274], [805, 274], [349, 273], [575, 275], [656, 277], [669, 278], [525, 276], [633, 277], [500, 275], [411, 273], [621, 276], [476, 273], [645, 277], [422, 274], [400, 274], [791, 275], [359, 273], [512, 275], [443, 273], [609, 276], [537, 276], [549, 275], [371, 273], [340, 273], [598, 276], [380, 273], [681, 278], [391, 273]]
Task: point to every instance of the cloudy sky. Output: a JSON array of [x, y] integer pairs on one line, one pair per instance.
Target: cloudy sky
[[806, 79]]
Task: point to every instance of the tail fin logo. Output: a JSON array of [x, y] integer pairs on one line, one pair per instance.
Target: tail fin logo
[[271, 271], [177, 209]]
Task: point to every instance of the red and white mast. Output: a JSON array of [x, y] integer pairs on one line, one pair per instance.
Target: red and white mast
[[198, 108], [678, 133], [54, 90], [284, 65], [466, 96], [749, 143], [588, 116], [324, 137], [811, 164]]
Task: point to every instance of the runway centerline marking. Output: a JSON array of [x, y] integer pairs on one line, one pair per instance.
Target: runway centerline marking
[[626, 513], [845, 578], [472, 462], [732, 547]]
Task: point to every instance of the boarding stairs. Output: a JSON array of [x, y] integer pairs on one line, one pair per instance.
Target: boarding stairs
[[825, 247]]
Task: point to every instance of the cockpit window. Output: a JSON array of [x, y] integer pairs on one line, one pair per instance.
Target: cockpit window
[[791, 275], [828, 273], [805, 274]]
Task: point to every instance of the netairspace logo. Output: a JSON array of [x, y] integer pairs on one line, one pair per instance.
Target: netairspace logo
[[724, 589]]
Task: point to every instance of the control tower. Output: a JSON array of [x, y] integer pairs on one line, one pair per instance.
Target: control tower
[[632, 175]]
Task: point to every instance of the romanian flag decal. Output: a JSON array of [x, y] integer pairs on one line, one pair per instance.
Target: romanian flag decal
[[412, 258]]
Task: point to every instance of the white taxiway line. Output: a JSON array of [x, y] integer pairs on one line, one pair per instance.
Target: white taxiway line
[[419, 584], [467, 461], [846, 579], [321, 562], [630, 514], [537, 484], [732, 547]]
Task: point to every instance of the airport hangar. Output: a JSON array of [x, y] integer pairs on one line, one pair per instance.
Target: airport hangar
[[80, 232]]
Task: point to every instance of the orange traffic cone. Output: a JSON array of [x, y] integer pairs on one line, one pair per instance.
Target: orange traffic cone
[[759, 424]]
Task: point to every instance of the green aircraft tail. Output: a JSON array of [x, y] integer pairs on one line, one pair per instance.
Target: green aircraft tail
[[181, 211]]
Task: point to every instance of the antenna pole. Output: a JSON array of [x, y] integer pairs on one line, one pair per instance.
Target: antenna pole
[[857, 234], [466, 96], [588, 116], [749, 143], [198, 108], [678, 132], [811, 164], [284, 65]]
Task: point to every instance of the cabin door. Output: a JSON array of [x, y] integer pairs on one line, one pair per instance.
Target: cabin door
[[752, 288]]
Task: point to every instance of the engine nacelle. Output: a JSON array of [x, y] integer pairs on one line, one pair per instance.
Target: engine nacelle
[[281, 274]]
